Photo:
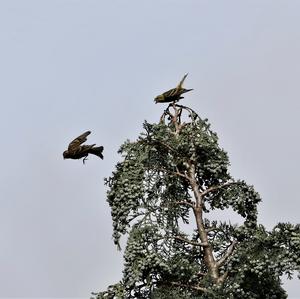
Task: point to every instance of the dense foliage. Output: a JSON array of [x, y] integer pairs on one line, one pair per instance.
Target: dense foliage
[[161, 194]]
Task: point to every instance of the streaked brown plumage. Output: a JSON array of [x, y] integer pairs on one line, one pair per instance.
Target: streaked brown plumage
[[77, 151], [174, 94]]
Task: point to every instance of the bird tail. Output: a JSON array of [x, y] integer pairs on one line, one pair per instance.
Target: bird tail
[[97, 151], [179, 86]]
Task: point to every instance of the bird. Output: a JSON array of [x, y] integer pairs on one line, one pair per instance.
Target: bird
[[174, 94], [77, 151]]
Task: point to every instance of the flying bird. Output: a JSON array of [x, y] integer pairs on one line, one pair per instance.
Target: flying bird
[[77, 151], [174, 94]]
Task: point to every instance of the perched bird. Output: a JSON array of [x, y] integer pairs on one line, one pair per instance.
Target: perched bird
[[172, 95], [77, 151]]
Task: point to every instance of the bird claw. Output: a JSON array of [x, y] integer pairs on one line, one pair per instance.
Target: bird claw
[[84, 159]]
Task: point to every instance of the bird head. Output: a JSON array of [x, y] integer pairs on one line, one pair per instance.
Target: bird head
[[66, 154], [159, 98]]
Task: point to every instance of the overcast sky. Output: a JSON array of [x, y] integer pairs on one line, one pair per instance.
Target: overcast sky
[[69, 66]]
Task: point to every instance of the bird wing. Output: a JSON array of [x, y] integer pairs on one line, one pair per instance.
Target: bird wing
[[170, 93], [74, 145]]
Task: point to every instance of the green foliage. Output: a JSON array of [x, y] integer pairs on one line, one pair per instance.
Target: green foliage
[[152, 195], [260, 260]]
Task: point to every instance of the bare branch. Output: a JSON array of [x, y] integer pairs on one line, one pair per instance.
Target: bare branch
[[195, 186], [202, 273], [170, 172], [184, 203], [155, 142], [222, 278], [198, 288], [215, 188], [165, 145], [181, 174], [198, 212], [190, 242], [227, 254], [210, 229]]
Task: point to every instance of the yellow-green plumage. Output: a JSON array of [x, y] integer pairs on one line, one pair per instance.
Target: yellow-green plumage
[[174, 94]]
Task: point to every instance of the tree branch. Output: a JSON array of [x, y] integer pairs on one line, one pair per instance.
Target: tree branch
[[227, 254], [215, 188], [211, 229], [170, 172], [209, 258], [184, 203], [176, 118], [222, 278], [190, 242], [165, 145], [198, 288], [201, 273], [181, 174]]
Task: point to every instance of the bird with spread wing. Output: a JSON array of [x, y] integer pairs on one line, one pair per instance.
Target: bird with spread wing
[[174, 94], [77, 151]]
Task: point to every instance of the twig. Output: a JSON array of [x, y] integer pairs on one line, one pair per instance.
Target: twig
[[222, 278], [210, 229], [215, 188], [227, 254], [180, 174], [171, 172], [198, 288], [190, 242], [184, 203]]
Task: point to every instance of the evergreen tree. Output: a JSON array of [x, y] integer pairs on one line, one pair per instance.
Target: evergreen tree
[[161, 194]]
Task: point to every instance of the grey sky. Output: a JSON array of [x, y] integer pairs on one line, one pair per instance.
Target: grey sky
[[68, 66]]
